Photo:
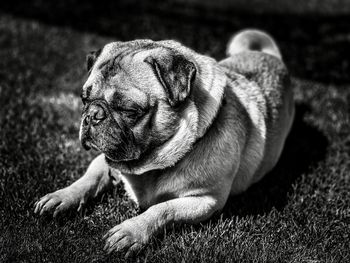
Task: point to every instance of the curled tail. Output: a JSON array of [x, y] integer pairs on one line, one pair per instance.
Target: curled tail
[[254, 40]]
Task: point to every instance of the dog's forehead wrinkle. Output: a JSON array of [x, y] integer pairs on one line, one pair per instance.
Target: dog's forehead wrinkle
[[122, 60], [131, 97], [131, 74], [122, 66]]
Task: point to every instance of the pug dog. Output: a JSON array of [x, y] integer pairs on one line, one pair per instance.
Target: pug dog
[[181, 130]]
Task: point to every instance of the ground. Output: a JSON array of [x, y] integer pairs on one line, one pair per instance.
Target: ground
[[300, 212]]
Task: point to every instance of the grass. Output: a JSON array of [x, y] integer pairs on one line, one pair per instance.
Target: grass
[[300, 212]]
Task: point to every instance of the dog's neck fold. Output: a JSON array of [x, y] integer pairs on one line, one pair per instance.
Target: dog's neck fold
[[199, 113]]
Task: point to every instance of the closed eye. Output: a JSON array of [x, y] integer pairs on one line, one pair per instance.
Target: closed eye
[[132, 114]]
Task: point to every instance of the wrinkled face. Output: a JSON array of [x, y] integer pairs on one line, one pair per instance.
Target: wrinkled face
[[132, 98]]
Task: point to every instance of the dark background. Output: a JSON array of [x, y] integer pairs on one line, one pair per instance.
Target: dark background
[[320, 28]]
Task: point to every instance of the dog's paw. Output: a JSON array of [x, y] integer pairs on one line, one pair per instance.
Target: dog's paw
[[129, 236], [58, 202]]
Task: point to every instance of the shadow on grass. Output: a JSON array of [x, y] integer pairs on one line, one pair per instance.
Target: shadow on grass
[[304, 148]]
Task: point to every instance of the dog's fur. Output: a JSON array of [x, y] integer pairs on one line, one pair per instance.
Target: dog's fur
[[206, 129]]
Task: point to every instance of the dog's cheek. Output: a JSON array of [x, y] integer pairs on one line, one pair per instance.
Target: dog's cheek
[[166, 123], [157, 127], [142, 134]]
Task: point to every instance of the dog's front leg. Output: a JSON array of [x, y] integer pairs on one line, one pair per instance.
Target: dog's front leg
[[96, 179], [133, 233]]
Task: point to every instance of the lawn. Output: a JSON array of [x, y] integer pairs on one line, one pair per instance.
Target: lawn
[[300, 212]]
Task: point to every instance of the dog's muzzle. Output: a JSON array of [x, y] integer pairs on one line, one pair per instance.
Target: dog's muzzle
[[101, 131], [94, 115]]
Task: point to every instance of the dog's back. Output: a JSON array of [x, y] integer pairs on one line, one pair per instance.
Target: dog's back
[[255, 61]]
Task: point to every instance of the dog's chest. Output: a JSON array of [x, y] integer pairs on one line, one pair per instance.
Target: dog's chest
[[141, 188], [153, 187]]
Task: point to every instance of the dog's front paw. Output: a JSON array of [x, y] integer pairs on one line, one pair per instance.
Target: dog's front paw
[[59, 201], [129, 236]]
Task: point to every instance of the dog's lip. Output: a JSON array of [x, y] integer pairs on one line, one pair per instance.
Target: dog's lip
[[110, 159], [88, 144], [93, 145]]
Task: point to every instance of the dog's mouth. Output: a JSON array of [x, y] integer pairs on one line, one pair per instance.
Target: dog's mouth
[[114, 150], [89, 144], [109, 159]]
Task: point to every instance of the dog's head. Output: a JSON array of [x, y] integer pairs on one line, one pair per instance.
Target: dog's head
[[134, 98]]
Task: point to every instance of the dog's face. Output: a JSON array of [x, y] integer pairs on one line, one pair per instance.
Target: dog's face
[[133, 98]]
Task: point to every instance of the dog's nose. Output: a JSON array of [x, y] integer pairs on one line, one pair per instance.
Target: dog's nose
[[95, 115]]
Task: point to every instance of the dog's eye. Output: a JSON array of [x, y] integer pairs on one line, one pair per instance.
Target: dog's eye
[[132, 113]]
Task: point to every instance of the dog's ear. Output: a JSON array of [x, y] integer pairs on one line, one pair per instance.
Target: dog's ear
[[91, 58], [175, 73]]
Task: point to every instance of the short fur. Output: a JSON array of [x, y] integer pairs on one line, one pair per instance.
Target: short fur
[[182, 131]]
